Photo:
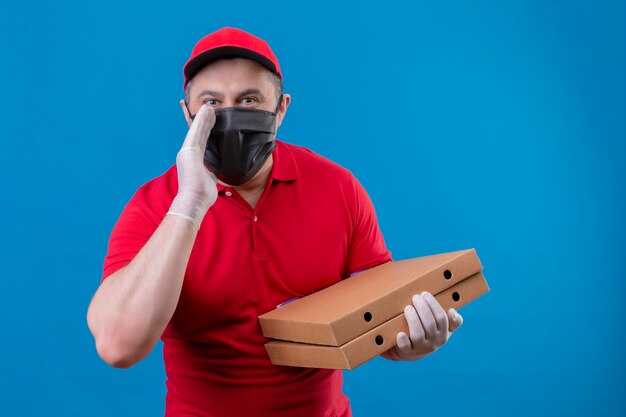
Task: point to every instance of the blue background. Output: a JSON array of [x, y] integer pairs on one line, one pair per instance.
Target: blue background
[[489, 124]]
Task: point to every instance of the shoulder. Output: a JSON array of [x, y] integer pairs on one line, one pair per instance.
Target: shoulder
[[318, 175], [311, 163], [158, 193]]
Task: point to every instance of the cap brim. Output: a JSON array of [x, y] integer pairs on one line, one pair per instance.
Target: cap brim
[[224, 52]]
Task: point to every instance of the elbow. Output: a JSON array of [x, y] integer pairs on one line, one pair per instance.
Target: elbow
[[116, 350], [115, 356], [116, 344], [110, 346]]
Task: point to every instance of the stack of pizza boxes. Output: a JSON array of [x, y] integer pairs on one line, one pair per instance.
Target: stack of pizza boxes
[[358, 318]]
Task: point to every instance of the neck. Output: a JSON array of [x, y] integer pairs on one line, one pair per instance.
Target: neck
[[259, 181]]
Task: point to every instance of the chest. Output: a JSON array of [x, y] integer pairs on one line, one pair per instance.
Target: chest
[[247, 260]]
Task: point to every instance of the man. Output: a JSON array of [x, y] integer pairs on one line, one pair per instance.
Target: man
[[197, 254]]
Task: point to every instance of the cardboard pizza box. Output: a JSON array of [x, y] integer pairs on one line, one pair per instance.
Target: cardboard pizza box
[[356, 305], [372, 343]]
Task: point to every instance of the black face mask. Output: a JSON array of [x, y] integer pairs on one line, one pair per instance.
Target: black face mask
[[240, 143]]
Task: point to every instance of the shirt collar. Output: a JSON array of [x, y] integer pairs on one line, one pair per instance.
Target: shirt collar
[[284, 166]]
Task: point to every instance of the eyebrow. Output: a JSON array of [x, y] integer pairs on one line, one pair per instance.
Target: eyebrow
[[248, 91], [208, 93], [241, 93]]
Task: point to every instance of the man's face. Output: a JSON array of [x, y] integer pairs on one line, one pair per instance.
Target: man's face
[[236, 82]]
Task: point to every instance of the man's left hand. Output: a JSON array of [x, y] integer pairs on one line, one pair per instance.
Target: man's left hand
[[429, 327]]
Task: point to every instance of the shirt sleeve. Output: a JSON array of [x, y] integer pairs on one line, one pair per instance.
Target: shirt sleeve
[[132, 230], [367, 247]]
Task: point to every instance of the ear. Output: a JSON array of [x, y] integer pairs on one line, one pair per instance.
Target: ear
[[185, 112], [282, 110]]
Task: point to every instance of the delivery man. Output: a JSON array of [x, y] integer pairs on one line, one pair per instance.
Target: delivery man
[[241, 223]]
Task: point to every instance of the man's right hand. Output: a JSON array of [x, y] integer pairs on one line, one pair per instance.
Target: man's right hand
[[197, 186]]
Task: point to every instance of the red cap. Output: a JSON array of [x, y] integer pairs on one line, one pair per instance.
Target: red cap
[[229, 43]]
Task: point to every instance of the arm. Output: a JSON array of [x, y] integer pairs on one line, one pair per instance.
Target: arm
[[132, 307]]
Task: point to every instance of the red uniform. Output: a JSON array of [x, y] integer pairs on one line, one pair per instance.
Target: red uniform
[[313, 226]]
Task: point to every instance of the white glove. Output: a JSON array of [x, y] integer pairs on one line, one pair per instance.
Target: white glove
[[430, 327], [197, 186]]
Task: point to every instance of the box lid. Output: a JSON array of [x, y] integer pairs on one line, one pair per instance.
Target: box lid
[[353, 306]]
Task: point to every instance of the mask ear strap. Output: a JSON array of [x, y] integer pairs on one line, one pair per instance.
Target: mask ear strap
[[188, 111], [280, 100]]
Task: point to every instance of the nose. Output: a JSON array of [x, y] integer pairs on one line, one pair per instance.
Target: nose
[[228, 102]]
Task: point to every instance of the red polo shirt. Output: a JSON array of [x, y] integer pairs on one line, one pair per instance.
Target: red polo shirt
[[313, 226]]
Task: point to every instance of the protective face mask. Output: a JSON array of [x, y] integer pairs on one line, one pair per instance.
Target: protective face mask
[[240, 142]]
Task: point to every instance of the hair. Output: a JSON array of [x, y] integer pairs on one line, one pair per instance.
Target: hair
[[274, 78]]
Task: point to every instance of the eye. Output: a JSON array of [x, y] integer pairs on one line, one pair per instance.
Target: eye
[[249, 100], [211, 101]]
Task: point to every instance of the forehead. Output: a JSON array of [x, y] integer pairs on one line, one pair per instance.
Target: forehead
[[233, 73]]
